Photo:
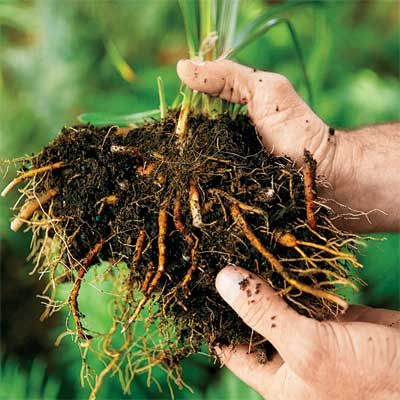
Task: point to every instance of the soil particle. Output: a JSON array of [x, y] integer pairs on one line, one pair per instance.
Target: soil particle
[[244, 284], [261, 356]]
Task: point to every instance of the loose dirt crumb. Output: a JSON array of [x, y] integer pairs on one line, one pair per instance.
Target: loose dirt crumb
[[244, 284]]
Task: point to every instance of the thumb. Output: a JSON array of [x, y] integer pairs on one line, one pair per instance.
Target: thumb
[[226, 79], [262, 309]]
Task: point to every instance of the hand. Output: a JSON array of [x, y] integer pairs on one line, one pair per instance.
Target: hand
[[287, 125], [354, 357], [361, 166]]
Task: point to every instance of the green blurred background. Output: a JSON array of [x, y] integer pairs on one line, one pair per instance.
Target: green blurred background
[[54, 65]]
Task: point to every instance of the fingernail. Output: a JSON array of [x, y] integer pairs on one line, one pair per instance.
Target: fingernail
[[193, 62], [227, 284], [197, 62]]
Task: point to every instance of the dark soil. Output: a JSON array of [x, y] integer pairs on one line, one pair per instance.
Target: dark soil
[[221, 154]]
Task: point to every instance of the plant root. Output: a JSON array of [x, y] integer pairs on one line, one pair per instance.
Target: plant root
[[194, 202], [73, 298], [137, 255], [30, 174], [149, 275], [178, 222], [162, 250], [310, 167], [30, 207], [181, 130], [126, 150], [278, 267], [227, 199], [189, 274], [109, 200]]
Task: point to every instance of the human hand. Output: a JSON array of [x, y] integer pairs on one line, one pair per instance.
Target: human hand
[[286, 124], [361, 166], [354, 357]]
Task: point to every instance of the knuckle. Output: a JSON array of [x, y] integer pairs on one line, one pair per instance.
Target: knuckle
[[281, 80], [281, 84], [252, 314]]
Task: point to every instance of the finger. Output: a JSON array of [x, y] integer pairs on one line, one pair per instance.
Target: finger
[[381, 316], [247, 367], [294, 336], [226, 79]]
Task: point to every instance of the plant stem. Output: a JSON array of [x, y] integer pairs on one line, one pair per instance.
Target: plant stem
[[181, 126], [161, 95]]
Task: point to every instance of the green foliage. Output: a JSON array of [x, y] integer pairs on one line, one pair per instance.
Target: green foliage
[[54, 66], [189, 14], [101, 119], [16, 383]]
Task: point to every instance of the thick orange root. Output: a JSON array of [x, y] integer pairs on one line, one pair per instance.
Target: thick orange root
[[189, 274], [30, 207], [73, 297], [239, 219], [287, 239], [178, 222], [278, 267], [137, 255], [147, 279], [310, 166], [194, 203], [162, 249], [29, 174], [242, 206]]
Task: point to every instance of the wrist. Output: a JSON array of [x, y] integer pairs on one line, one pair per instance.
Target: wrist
[[346, 162], [324, 145]]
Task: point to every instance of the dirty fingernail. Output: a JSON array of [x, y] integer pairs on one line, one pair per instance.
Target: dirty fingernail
[[197, 62], [227, 284]]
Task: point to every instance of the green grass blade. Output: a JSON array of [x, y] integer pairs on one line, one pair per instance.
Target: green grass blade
[[208, 13], [299, 51], [119, 62], [101, 119], [189, 12], [227, 24], [36, 379], [272, 12], [161, 95], [207, 18]]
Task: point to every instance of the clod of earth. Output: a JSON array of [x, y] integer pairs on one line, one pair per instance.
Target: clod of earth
[[176, 216]]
